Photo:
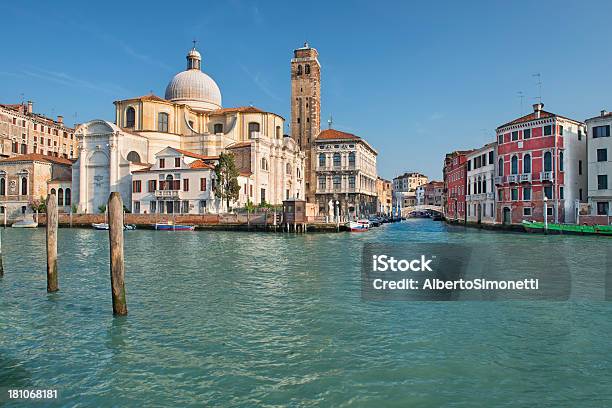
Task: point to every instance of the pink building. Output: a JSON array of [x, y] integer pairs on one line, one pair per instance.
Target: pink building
[[540, 155], [455, 176]]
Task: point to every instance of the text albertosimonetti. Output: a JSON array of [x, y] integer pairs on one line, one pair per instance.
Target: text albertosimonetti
[[384, 263]]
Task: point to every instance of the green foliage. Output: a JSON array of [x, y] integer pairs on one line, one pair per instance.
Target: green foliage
[[102, 209], [250, 207], [126, 210], [39, 205], [75, 208], [226, 173]]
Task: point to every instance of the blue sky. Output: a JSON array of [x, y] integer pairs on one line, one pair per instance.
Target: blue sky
[[415, 79]]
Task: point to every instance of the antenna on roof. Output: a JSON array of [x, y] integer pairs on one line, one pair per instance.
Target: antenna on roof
[[522, 96], [330, 122], [539, 84], [21, 98], [194, 41]]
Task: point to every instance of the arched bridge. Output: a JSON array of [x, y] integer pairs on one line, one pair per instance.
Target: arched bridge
[[434, 208]]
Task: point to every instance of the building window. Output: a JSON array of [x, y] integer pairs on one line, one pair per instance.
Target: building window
[[500, 167], [218, 128], [185, 209], [136, 186], [299, 70], [514, 165], [526, 133], [602, 155], [307, 69], [500, 139], [337, 160], [3, 186], [136, 207], [601, 131], [337, 182], [515, 135], [278, 132], [491, 155], [264, 163], [351, 159], [322, 183], [579, 134], [579, 167], [602, 182], [547, 130], [153, 207], [24, 186], [185, 184], [177, 162], [253, 129], [561, 193], [24, 148], [322, 160], [263, 195], [60, 196], [514, 194], [351, 181], [548, 192], [151, 186], [162, 163], [560, 130], [560, 161], [162, 122], [526, 193], [130, 117], [202, 206], [547, 161], [602, 207], [288, 168], [203, 184], [527, 163], [527, 211]]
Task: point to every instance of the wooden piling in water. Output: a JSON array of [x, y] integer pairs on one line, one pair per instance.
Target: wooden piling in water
[[117, 266], [1, 262], [52, 218]]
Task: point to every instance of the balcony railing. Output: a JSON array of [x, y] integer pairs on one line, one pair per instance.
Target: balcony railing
[[490, 196], [512, 178], [525, 178], [166, 193], [499, 180], [546, 176], [336, 168]]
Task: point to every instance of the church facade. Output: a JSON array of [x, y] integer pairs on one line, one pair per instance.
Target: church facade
[[191, 118]]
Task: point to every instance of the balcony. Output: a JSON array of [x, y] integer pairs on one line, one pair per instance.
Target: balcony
[[490, 196], [547, 176], [525, 178], [499, 180], [166, 193], [513, 178], [335, 168]]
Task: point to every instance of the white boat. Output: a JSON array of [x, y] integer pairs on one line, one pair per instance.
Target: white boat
[[104, 226], [25, 224], [358, 226]]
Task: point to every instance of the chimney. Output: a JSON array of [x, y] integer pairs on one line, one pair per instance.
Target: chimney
[[30, 107], [60, 119], [537, 108], [604, 112]]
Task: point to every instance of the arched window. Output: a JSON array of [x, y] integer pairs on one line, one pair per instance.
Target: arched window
[[133, 157], [68, 200], [484, 185], [24, 186], [3, 186], [299, 70], [218, 128], [351, 159], [264, 163], [307, 69], [479, 185], [322, 160], [288, 168], [547, 161], [560, 161], [337, 182], [53, 191], [278, 132], [500, 167], [60, 196], [527, 163], [130, 117], [253, 128], [298, 172], [337, 160], [514, 165], [162, 122]]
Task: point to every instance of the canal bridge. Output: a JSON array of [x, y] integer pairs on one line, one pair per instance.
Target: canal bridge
[[433, 208]]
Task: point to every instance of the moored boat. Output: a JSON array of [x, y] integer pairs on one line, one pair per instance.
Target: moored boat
[[104, 226], [25, 224], [536, 226], [358, 226], [168, 226]]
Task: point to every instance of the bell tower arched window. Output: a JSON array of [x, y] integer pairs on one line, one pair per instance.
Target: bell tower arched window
[[253, 128], [299, 70], [307, 69], [130, 117]]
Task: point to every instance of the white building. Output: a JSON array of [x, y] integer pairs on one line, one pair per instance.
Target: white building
[[599, 158], [190, 117], [480, 197]]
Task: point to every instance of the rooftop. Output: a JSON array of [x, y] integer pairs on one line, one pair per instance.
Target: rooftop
[[37, 157], [333, 134]]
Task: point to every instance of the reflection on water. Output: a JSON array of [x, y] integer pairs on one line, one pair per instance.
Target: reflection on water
[[247, 319]]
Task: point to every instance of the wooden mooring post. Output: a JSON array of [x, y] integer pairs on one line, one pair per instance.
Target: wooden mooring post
[[52, 285], [117, 266], [1, 262]]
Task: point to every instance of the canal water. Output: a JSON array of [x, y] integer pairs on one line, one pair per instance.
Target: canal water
[[261, 319]]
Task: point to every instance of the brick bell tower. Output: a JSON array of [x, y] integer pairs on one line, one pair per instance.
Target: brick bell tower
[[306, 109]]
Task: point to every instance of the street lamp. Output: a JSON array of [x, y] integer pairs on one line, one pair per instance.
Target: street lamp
[[545, 213]]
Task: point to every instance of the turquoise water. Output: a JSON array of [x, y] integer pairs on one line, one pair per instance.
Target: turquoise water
[[255, 319]]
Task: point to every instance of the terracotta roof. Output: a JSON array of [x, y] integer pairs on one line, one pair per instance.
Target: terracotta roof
[[60, 179], [240, 109], [199, 164], [336, 134], [238, 144], [149, 97], [37, 157], [246, 173], [532, 116], [196, 155]]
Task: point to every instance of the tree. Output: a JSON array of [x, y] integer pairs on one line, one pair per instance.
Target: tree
[[102, 209], [38, 205], [226, 186]]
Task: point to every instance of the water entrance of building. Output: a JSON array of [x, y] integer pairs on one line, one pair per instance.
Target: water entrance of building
[[507, 219]]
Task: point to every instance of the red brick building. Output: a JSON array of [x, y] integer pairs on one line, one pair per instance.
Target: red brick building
[[455, 176], [540, 155]]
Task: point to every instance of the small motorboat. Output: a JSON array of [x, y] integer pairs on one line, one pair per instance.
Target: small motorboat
[[169, 226], [25, 224], [358, 226], [104, 226]]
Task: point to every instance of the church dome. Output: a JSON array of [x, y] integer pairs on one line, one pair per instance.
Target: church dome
[[193, 87]]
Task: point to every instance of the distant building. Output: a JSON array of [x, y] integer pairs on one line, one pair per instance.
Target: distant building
[[434, 193], [599, 157], [22, 132], [346, 175], [25, 181], [404, 189], [384, 192], [455, 185], [539, 155], [480, 199]]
